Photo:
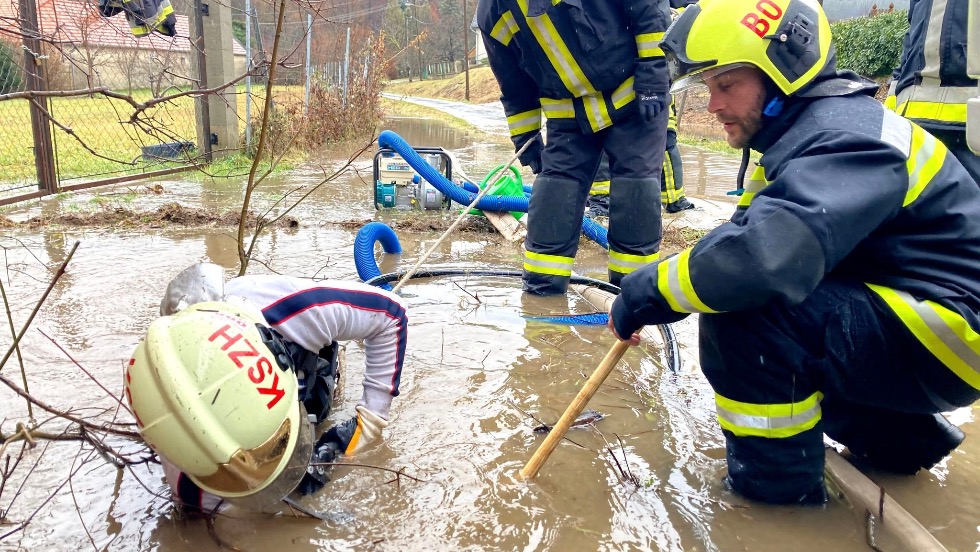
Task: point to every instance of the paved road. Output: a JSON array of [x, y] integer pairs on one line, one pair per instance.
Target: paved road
[[488, 117]]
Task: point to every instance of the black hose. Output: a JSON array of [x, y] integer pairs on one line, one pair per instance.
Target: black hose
[[670, 340]]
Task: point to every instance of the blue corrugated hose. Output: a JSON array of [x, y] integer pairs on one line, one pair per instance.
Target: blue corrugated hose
[[588, 319]]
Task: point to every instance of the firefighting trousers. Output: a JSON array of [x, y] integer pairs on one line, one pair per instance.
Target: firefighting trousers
[[955, 140], [570, 160], [838, 363], [672, 184]]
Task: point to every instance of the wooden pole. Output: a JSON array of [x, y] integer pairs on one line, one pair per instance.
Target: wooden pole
[[558, 432], [889, 516]]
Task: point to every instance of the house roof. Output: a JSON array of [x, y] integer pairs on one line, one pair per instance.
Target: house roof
[[79, 22]]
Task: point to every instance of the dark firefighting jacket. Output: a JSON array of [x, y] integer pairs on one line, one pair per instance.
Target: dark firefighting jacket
[[579, 62], [144, 16], [849, 191], [931, 83]]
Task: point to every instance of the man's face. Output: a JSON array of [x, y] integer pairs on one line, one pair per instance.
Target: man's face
[[736, 101]]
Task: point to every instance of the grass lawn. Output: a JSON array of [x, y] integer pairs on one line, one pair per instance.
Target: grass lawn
[[103, 125]]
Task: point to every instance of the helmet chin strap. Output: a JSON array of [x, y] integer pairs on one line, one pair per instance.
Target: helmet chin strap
[[775, 100], [774, 107]]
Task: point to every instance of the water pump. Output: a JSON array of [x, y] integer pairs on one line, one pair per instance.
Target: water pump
[[397, 185]]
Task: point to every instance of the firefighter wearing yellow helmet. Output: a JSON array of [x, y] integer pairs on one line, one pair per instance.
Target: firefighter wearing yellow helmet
[[228, 386], [843, 296]]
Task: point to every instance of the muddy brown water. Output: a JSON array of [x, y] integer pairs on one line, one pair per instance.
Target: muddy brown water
[[473, 365]]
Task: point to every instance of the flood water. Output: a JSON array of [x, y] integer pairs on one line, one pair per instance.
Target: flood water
[[474, 367]]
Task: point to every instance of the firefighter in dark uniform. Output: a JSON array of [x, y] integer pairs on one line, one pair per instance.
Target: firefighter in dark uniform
[[931, 85], [596, 72], [844, 297], [598, 203], [672, 184]]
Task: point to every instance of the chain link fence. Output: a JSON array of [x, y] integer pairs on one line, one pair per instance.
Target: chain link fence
[[91, 114], [16, 141]]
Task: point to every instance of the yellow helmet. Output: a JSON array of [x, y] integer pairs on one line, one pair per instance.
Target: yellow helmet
[[789, 40], [214, 393]]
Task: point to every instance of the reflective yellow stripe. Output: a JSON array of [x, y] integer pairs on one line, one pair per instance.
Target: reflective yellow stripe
[[945, 333], [166, 9], [624, 263], [934, 111], [524, 122], [925, 159], [623, 94], [558, 109], [505, 28], [756, 183], [554, 265], [891, 100], [596, 111], [648, 45], [669, 192], [599, 187], [561, 59], [674, 283], [773, 421]]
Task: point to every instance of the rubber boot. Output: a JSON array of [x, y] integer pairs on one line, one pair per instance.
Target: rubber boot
[[554, 225], [597, 205], [892, 441], [681, 204]]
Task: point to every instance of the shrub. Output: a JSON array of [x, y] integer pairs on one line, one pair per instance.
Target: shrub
[[870, 46], [10, 72], [328, 118]]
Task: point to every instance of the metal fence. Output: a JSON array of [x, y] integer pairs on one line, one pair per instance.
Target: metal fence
[[73, 87]]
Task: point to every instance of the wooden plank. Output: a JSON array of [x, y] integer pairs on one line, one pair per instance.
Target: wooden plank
[[890, 519], [505, 223]]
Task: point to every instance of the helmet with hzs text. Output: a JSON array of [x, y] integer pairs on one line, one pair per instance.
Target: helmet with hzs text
[[214, 393], [788, 40]]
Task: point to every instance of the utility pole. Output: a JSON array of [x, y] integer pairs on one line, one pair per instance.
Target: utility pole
[[415, 16], [466, 50]]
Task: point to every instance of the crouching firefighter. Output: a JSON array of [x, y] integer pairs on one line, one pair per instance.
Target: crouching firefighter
[[229, 385], [843, 297]]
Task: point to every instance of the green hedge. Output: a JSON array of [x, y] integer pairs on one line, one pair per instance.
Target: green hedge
[[10, 77], [870, 46]]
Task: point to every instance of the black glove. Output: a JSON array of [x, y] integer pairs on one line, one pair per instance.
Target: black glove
[[532, 155], [651, 104], [652, 85], [324, 452], [344, 438]]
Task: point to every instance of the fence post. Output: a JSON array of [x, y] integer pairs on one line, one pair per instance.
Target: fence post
[[214, 65], [346, 65], [47, 181], [248, 78], [309, 70]]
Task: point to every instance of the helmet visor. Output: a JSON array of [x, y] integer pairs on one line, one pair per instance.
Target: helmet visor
[[249, 470], [702, 77], [245, 479]]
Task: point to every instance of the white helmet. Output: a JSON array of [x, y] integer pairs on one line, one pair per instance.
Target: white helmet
[[214, 393]]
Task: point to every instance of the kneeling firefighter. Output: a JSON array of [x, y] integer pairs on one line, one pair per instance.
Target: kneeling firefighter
[[843, 296], [229, 384]]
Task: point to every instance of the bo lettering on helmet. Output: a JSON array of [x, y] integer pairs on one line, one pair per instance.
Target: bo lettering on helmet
[[758, 21], [256, 372]]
